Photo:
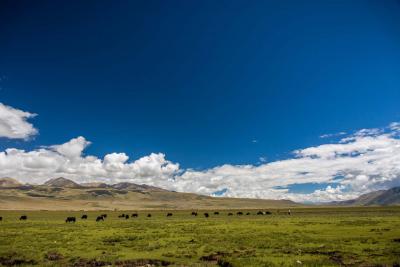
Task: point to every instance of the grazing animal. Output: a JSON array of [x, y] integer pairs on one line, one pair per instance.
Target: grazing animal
[[104, 216], [84, 217], [206, 215], [268, 213], [239, 213], [135, 215], [148, 215], [70, 219], [260, 213], [216, 213], [288, 212], [194, 213], [126, 216], [169, 214], [23, 218], [1, 218], [248, 213], [122, 215], [230, 214], [99, 218]]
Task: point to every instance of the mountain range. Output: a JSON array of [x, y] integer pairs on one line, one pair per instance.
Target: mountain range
[[61, 194], [388, 197], [64, 194]]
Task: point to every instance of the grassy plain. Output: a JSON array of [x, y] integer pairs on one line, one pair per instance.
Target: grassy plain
[[368, 236]]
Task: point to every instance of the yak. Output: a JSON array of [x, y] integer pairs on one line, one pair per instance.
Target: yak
[[206, 215], [260, 213], [216, 213], [1, 218], [239, 213], [169, 214], [126, 216], [122, 215], [194, 213], [23, 218], [84, 217], [148, 215], [99, 218], [70, 219], [135, 215]]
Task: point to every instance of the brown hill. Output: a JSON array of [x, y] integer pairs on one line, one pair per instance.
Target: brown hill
[[62, 182], [9, 182], [64, 194]]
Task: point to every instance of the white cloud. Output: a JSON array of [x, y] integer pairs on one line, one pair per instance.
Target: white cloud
[[14, 124], [365, 161], [67, 160], [332, 135]]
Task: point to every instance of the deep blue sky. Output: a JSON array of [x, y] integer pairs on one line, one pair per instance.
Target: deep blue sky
[[199, 80]]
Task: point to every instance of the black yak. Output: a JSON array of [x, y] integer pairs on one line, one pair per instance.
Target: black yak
[[122, 215], [169, 214], [194, 213], [99, 218], [1, 218], [148, 215], [216, 213], [23, 218], [206, 215], [84, 217], [126, 216], [135, 215], [239, 213], [260, 213], [70, 219]]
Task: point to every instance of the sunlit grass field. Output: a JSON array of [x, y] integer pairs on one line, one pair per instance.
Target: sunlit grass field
[[307, 237]]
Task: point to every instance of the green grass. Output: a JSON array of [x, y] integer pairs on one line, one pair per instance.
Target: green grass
[[309, 237]]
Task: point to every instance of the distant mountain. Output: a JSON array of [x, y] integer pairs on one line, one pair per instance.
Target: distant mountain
[[62, 182], [376, 198], [64, 194], [9, 182], [95, 185], [136, 187]]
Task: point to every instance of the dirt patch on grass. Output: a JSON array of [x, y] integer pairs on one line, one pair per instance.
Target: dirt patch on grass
[[90, 263], [121, 263], [15, 260], [53, 256], [142, 262], [217, 258]]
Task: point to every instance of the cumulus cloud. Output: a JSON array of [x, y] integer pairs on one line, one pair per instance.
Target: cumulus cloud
[[67, 160], [14, 124], [364, 161]]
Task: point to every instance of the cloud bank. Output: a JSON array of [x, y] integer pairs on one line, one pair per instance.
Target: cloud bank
[[14, 124], [367, 160]]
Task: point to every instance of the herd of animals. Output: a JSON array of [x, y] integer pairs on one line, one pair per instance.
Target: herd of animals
[[102, 217]]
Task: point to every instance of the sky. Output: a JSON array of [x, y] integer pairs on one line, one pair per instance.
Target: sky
[[263, 99]]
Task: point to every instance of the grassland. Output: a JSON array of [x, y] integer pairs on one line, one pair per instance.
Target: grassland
[[308, 237]]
